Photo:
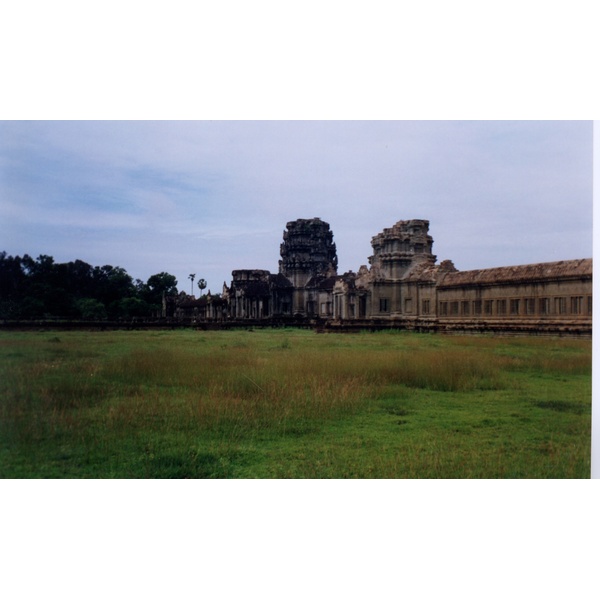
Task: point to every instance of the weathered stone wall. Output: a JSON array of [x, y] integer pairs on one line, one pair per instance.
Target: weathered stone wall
[[562, 291]]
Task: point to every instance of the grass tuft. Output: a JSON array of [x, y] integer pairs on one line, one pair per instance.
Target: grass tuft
[[563, 406]]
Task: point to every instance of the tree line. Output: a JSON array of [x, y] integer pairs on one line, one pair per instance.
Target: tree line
[[43, 288]]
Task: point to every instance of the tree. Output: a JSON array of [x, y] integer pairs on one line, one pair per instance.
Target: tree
[[112, 283], [12, 285], [192, 276], [90, 308], [79, 277], [134, 307], [156, 286], [45, 292], [202, 285]]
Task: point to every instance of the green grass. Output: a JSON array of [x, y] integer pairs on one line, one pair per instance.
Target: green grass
[[292, 403]]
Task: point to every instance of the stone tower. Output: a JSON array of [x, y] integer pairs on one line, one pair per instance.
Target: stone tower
[[398, 249], [307, 251]]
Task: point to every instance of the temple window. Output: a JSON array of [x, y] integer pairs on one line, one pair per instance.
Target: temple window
[[530, 306], [514, 306], [576, 305]]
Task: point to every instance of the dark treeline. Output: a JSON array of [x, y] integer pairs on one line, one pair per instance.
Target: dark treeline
[[42, 288]]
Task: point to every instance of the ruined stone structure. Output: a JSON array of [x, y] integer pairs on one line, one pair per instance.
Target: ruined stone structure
[[257, 294], [308, 259], [404, 287], [307, 272], [207, 308]]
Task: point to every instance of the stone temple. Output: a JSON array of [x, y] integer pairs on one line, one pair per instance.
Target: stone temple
[[403, 287]]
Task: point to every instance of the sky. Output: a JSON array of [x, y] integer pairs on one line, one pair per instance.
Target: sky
[[208, 197]]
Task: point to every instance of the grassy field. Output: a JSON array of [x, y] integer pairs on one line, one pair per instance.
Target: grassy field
[[292, 403]]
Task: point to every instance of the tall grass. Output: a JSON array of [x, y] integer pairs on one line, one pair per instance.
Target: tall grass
[[244, 385], [241, 386], [139, 398], [247, 386]]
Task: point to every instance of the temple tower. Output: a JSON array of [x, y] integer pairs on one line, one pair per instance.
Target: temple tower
[[307, 251], [399, 248], [308, 255]]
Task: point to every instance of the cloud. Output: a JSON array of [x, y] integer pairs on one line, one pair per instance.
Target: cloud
[[211, 197]]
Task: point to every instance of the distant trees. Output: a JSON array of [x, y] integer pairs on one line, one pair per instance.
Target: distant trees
[[43, 288], [90, 309], [157, 286]]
